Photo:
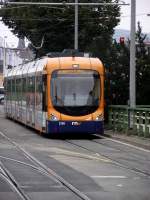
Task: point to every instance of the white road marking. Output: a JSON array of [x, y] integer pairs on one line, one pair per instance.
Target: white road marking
[[130, 145], [108, 177]]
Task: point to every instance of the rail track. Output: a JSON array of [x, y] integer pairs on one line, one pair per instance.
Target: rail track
[[113, 161], [7, 176], [37, 165], [91, 151]]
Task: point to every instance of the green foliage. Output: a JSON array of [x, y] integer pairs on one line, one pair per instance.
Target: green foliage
[[56, 24], [143, 69], [119, 71]]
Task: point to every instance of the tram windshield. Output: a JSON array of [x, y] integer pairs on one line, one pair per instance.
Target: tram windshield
[[75, 92]]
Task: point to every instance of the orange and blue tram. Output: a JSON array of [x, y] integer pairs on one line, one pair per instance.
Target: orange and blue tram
[[57, 94]]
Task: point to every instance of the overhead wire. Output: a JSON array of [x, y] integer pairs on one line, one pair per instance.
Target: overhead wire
[[9, 8]]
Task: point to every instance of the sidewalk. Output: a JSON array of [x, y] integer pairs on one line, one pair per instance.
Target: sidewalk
[[132, 139]]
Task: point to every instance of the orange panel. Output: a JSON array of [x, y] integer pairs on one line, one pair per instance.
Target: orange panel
[[67, 63]]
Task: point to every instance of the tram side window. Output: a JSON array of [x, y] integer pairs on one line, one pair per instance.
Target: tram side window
[[5, 85], [39, 92], [13, 90], [30, 88], [24, 91], [9, 89], [27, 92], [33, 90], [17, 90], [44, 93], [20, 90]]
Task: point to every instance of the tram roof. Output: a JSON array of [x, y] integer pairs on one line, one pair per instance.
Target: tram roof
[[37, 66], [28, 68]]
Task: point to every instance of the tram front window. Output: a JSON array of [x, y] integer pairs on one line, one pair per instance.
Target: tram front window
[[75, 93]]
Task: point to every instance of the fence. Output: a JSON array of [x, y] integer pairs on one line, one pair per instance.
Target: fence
[[123, 118]]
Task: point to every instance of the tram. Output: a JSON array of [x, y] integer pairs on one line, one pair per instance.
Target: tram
[[57, 94]]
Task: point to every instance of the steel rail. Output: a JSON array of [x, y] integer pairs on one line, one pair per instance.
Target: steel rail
[[136, 170], [114, 161], [6, 175], [124, 143], [25, 164], [47, 170]]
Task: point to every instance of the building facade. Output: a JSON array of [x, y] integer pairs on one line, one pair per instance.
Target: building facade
[[11, 57]]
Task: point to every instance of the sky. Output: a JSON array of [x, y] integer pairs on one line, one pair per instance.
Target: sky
[[11, 40], [142, 9]]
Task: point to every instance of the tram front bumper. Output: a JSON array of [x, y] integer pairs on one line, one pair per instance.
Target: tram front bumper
[[87, 127]]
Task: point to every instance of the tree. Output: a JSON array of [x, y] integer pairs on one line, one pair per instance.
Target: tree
[[142, 68], [119, 71], [56, 24]]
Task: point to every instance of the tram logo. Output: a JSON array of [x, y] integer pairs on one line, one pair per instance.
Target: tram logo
[[76, 123]]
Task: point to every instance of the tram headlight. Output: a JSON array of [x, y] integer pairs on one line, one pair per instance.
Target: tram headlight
[[99, 118], [53, 118]]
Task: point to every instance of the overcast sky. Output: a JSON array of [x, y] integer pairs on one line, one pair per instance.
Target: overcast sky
[[142, 9]]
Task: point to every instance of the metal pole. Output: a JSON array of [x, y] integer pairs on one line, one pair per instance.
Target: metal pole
[[62, 4], [76, 26], [132, 56]]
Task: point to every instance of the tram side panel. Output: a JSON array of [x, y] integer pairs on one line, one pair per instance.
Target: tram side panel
[[24, 101]]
